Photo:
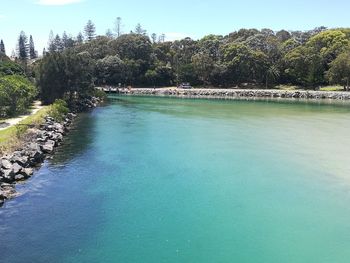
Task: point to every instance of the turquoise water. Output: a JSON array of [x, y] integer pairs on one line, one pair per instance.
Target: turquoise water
[[180, 180]]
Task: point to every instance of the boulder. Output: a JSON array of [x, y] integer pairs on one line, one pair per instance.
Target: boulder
[[16, 168], [8, 175], [21, 160], [27, 172], [5, 163], [47, 148], [20, 177]]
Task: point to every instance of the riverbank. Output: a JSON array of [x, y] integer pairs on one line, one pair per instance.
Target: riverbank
[[38, 143], [238, 93]]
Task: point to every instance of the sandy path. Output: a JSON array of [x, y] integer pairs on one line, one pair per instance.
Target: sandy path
[[13, 121]]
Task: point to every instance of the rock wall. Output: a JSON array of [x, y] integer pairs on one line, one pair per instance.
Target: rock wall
[[239, 93]]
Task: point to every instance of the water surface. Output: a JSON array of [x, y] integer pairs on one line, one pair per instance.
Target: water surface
[[179, 180]]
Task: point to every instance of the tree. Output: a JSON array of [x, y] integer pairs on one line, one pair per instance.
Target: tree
[[283, 35], [109, 33], [64, 73], [272, 74], [339, 71], [139, 30], [32, 52], [110, 70], [80, 38], [2, 47], [67, 41], [22, 51], [16, 94], [58, 43], [51, 44], [90, 30], [162, 38], [154, 38], [118, 26], [244, 63], [203, 64]]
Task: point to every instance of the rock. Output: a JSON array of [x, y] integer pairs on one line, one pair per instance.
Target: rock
[[34, 146], [16, 168], [27, 172], [50, 142], [8, 175], [5, 163], [7, 191], [47, 148], [20, 177], [21, 160]]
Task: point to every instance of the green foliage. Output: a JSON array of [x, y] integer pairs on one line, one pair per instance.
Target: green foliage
[[339, 71], [260, 57], [16, 95], [8, 67], [64, 73], [58, 109]]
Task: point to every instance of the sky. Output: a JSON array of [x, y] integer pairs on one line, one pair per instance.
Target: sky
[[176, 19]]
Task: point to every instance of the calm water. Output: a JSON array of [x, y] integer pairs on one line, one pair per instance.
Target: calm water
[[179, 180]]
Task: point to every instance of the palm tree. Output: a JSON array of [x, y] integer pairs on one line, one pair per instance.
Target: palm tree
[[273, 73]]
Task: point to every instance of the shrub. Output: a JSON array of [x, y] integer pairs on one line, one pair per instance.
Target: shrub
[[58, 109]]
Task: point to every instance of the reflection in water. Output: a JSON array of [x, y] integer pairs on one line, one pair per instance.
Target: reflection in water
[[79, 139]]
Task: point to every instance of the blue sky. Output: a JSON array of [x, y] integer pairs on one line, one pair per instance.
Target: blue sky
[[176, 19]]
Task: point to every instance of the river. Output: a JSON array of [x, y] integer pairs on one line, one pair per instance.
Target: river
[[148, 179]]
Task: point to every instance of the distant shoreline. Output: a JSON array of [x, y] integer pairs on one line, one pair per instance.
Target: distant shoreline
[[238, 93]]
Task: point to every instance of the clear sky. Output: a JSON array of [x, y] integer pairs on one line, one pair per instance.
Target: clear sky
[[176, 19]]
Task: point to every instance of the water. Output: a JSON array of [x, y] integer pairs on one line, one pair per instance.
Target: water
[[179, 180]]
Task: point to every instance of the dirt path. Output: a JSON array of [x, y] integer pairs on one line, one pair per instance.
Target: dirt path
[[13, 121]]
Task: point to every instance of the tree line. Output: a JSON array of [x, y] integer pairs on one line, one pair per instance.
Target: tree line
[[247, 57], [260, 58]]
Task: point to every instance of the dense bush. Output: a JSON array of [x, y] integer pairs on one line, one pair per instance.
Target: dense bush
[[58, 109], [16, 95]]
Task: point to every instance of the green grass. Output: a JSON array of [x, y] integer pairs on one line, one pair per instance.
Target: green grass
[[332, 88], [10, 137]]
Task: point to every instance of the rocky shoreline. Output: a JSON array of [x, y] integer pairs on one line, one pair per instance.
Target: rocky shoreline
[[21, 164], [238, 93]]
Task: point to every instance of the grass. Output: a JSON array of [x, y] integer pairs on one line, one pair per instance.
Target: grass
[[10, 138], [332, 88]]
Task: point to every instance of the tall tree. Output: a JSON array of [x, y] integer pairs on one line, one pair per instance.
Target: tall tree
[[2, 46], [162, 38], [80, 38], [65, 40], [109, 33], [118, 26], [139, 30], [90, 30], [58, 43], [154, 38], [51, 42], [32, 52], [22, 46]]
